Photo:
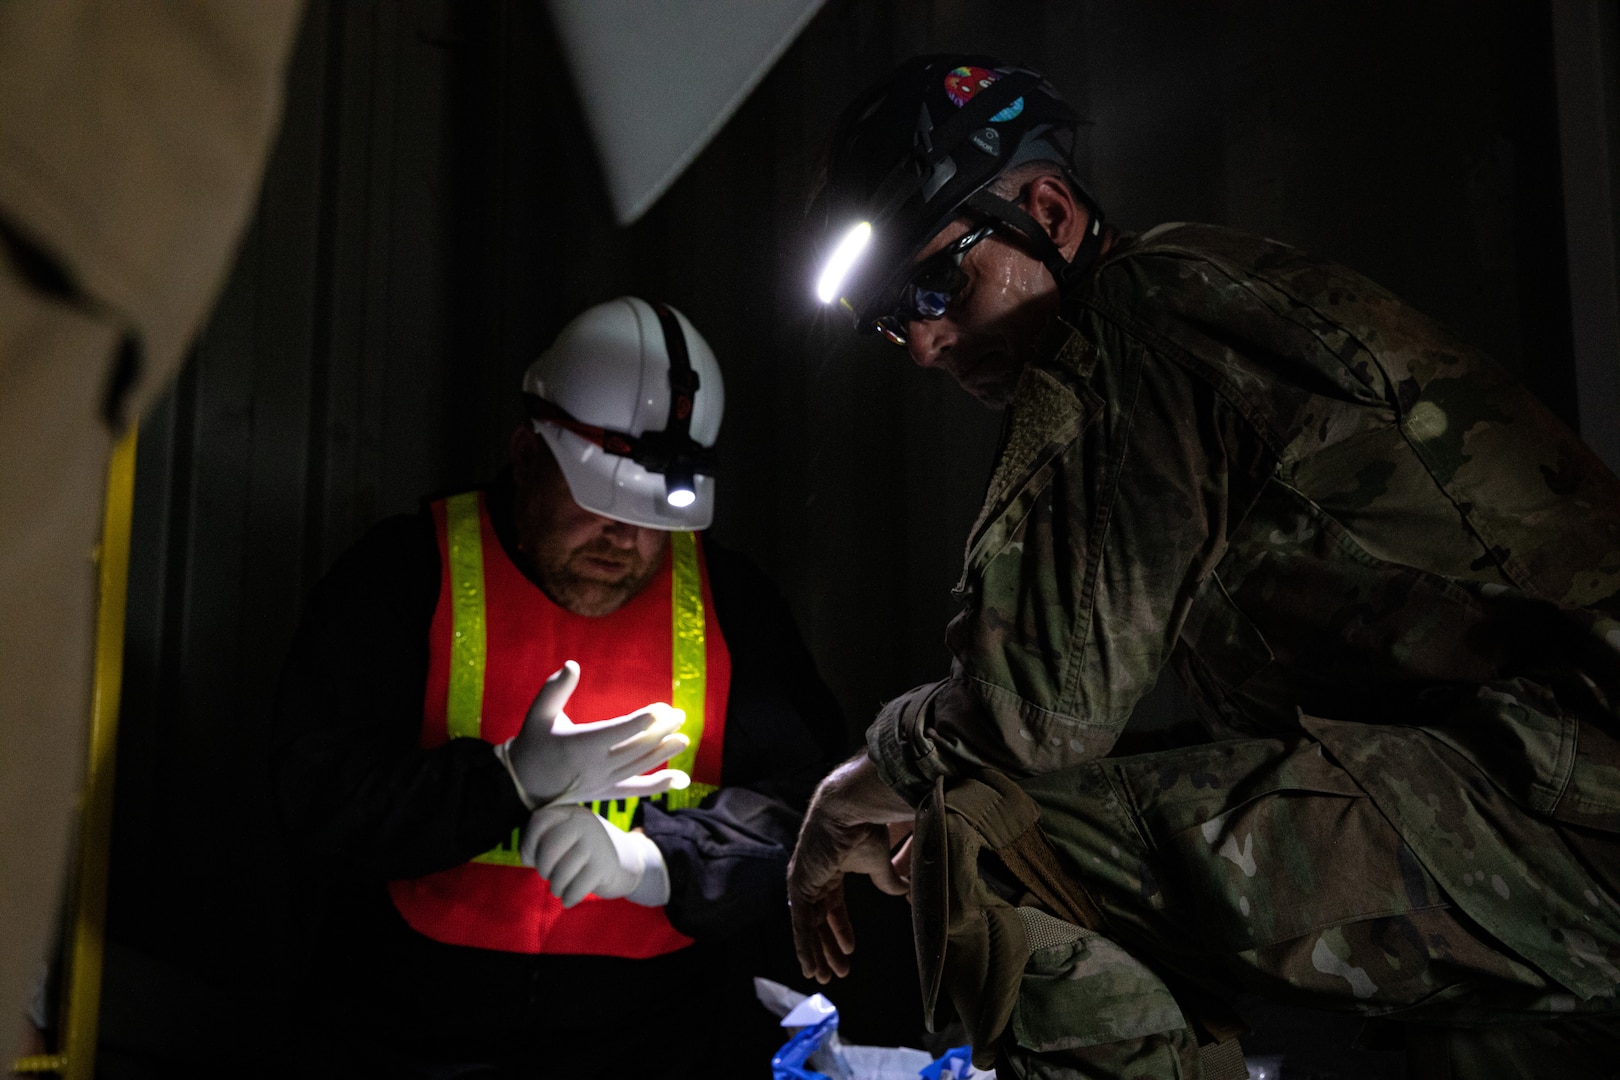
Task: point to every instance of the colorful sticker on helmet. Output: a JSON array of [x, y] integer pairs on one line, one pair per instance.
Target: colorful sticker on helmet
[[964, 82]]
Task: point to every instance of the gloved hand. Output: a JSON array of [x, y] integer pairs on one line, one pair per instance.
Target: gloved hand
[[554, 759], [580, 853]]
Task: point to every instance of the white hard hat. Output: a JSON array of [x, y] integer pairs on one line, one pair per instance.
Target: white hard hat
[[629, 398]]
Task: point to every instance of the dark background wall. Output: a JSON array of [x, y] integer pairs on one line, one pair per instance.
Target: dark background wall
[[434, 214]]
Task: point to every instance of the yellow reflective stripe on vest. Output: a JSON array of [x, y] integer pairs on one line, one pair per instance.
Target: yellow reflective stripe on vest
[[464, 700], [689, 685], [505, 855], [688, 679], [464, 704]]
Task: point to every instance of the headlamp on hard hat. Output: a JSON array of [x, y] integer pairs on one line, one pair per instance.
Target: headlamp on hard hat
[[678, 461]]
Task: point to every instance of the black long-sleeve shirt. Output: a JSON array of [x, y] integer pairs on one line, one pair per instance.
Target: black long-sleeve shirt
[[361, 797]]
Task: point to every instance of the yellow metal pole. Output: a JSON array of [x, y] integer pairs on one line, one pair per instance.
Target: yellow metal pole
[[90, 906], [83, 1009]]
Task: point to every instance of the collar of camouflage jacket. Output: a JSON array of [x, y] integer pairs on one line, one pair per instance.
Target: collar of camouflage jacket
[[1052, 405]]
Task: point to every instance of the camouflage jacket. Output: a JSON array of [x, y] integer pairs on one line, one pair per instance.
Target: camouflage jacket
[[1310, 501]]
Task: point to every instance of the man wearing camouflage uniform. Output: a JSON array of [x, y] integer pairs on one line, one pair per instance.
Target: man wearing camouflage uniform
[[1386, 576]]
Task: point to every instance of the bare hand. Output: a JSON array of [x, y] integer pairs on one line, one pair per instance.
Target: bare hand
[[846, 831], [900, 851]]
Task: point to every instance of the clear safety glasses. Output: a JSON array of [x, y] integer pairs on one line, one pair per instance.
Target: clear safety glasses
[[932, 286]]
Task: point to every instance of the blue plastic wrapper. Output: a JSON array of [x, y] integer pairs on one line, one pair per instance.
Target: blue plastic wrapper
[[792, 1061], [814, 1051], [954, 1064]]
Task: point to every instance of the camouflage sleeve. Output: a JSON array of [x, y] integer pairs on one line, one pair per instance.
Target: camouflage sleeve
[[898, 743], [1110, 505]]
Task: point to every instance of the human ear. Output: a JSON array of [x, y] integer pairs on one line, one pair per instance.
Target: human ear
[[1049, 201]]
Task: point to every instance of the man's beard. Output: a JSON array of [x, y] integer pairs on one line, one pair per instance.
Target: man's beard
[[564, 578]]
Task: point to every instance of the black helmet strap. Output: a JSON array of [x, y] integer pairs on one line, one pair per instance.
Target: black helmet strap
[[1039, 240], [675, 441]]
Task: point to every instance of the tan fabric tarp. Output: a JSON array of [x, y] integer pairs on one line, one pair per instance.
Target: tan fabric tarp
[[133, 136]]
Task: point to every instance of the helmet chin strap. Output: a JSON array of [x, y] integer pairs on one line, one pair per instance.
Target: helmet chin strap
[[1064, 271]]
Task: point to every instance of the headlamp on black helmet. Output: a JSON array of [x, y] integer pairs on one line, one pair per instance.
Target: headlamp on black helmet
[[918, 151]]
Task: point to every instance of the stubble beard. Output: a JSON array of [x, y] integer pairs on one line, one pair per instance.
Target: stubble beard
[[567, 578], [998, 384]]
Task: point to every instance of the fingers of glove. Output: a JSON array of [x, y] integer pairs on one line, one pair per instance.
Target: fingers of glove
[[581, 886], [574, 875], [636, 786], [556, 833], [529, 846], [544, 822], [548, 703], [562, 887], [640, 787], [629, 764], [597, 870], [646, 726], [649, 723], [549, 855]]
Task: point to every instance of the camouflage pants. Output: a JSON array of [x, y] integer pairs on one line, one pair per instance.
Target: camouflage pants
[[1260, 865]]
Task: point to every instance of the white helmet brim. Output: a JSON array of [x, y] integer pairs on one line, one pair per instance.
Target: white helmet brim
[[618, 488]]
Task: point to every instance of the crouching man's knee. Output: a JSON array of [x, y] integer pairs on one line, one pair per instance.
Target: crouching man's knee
[[1086, 1008]]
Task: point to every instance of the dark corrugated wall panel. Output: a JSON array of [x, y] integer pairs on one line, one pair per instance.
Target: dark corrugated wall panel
[[314, 403]]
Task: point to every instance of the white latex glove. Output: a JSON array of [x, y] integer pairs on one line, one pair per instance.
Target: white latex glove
[[552, 759], [582, 853]]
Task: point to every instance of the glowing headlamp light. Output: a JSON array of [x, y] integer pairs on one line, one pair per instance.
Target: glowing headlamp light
[[843, 259], [679, 492]]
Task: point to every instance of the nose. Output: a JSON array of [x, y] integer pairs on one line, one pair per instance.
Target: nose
[[618, 533], [928, 340]]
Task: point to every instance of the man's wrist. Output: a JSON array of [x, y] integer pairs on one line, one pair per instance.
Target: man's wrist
[[653, 888], [503, 752], [856, 790]]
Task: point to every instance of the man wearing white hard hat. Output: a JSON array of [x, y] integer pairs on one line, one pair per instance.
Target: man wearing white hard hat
[[473, 731]]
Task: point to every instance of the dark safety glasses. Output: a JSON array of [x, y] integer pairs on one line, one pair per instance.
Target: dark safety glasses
[[932, 286]]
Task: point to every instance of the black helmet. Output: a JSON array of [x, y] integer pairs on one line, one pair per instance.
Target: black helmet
[[915, 152]]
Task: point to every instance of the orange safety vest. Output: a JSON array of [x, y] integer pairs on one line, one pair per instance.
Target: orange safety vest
[[495, 638]]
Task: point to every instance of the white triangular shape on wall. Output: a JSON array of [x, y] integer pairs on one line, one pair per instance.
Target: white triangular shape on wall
[[657, 80]]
